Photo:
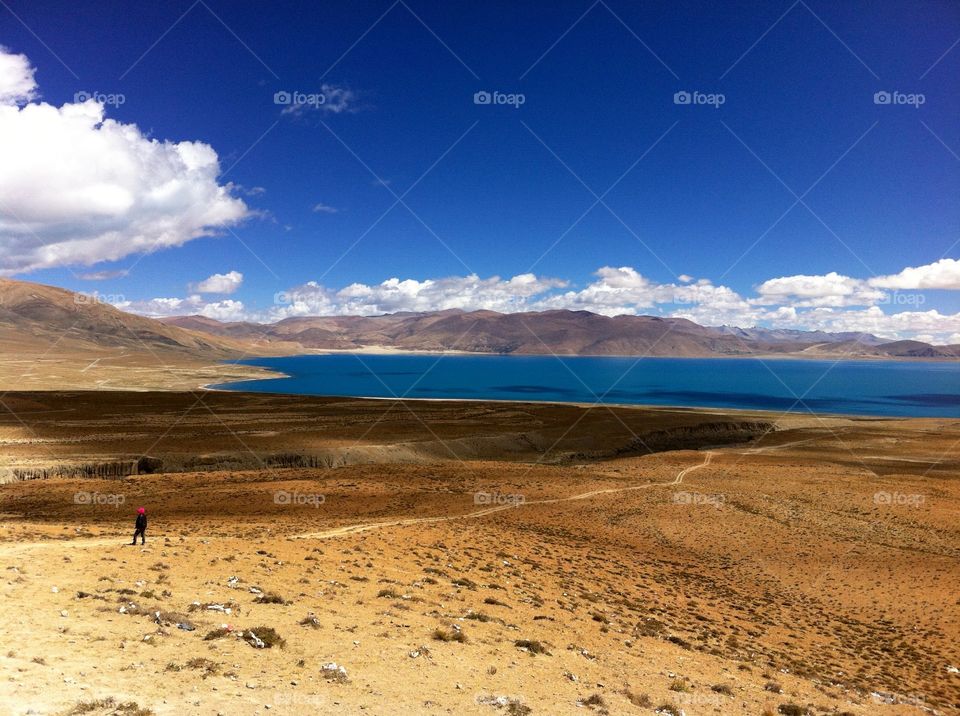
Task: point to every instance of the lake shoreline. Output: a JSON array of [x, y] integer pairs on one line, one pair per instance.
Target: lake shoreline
[[748, 385]]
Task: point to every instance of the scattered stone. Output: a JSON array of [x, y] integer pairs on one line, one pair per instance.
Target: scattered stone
[[334, 672]]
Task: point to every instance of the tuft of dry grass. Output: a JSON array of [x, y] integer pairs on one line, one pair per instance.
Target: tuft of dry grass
[[128, 708], [441, 634], [534, 647], [270, 598], [268, 635], [218, 633]]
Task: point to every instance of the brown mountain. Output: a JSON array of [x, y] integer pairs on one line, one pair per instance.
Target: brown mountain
[[560, 332], [37, 320]]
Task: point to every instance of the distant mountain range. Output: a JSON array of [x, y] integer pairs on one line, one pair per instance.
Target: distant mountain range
[[559, 332], [36, 318]]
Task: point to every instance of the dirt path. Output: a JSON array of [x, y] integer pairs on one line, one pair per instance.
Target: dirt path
[[354, 529], [11, 549]]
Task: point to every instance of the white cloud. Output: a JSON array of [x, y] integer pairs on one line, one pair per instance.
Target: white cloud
[[903, 325], [16, 78], [614, 291], [322, 208], [943, 274], [219, 283], [78, 188], [468, 293], [832, 289], [331, 99], [226, 310], [194, 305]]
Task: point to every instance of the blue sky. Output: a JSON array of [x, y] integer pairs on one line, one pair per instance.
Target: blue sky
[[506, 191]]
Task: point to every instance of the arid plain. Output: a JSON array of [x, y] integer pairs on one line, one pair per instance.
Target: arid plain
[[485, 558]]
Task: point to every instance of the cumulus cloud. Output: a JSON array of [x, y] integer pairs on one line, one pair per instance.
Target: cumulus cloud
[[832, 289], [219, 283], [78, 188], [193, 305], [468, 293], [322, 208], [943, 274], [932, 324], [614, 291], [16, 78]]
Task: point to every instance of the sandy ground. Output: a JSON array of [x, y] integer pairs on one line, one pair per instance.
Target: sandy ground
[[816, 567], [116, 370]]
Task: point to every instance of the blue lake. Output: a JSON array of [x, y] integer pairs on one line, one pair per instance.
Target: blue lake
[[897, 388]]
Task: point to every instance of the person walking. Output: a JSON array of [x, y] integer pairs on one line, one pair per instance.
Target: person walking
[[141, 526]]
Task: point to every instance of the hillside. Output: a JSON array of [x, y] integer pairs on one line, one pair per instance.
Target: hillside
[[561, 332], [56, 336], [33, 316]]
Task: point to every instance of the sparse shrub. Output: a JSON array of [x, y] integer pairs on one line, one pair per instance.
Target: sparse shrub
[[478, 617], [792, 710], [457, 635], [494, 602], [641, 700], [310, 621], [388, 593], [722, 689], [270, 598], [201, 663], [517, 708], [129, 708], [218, 633], [680, 686], [534, 647], [773, 687], [268, 635]]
